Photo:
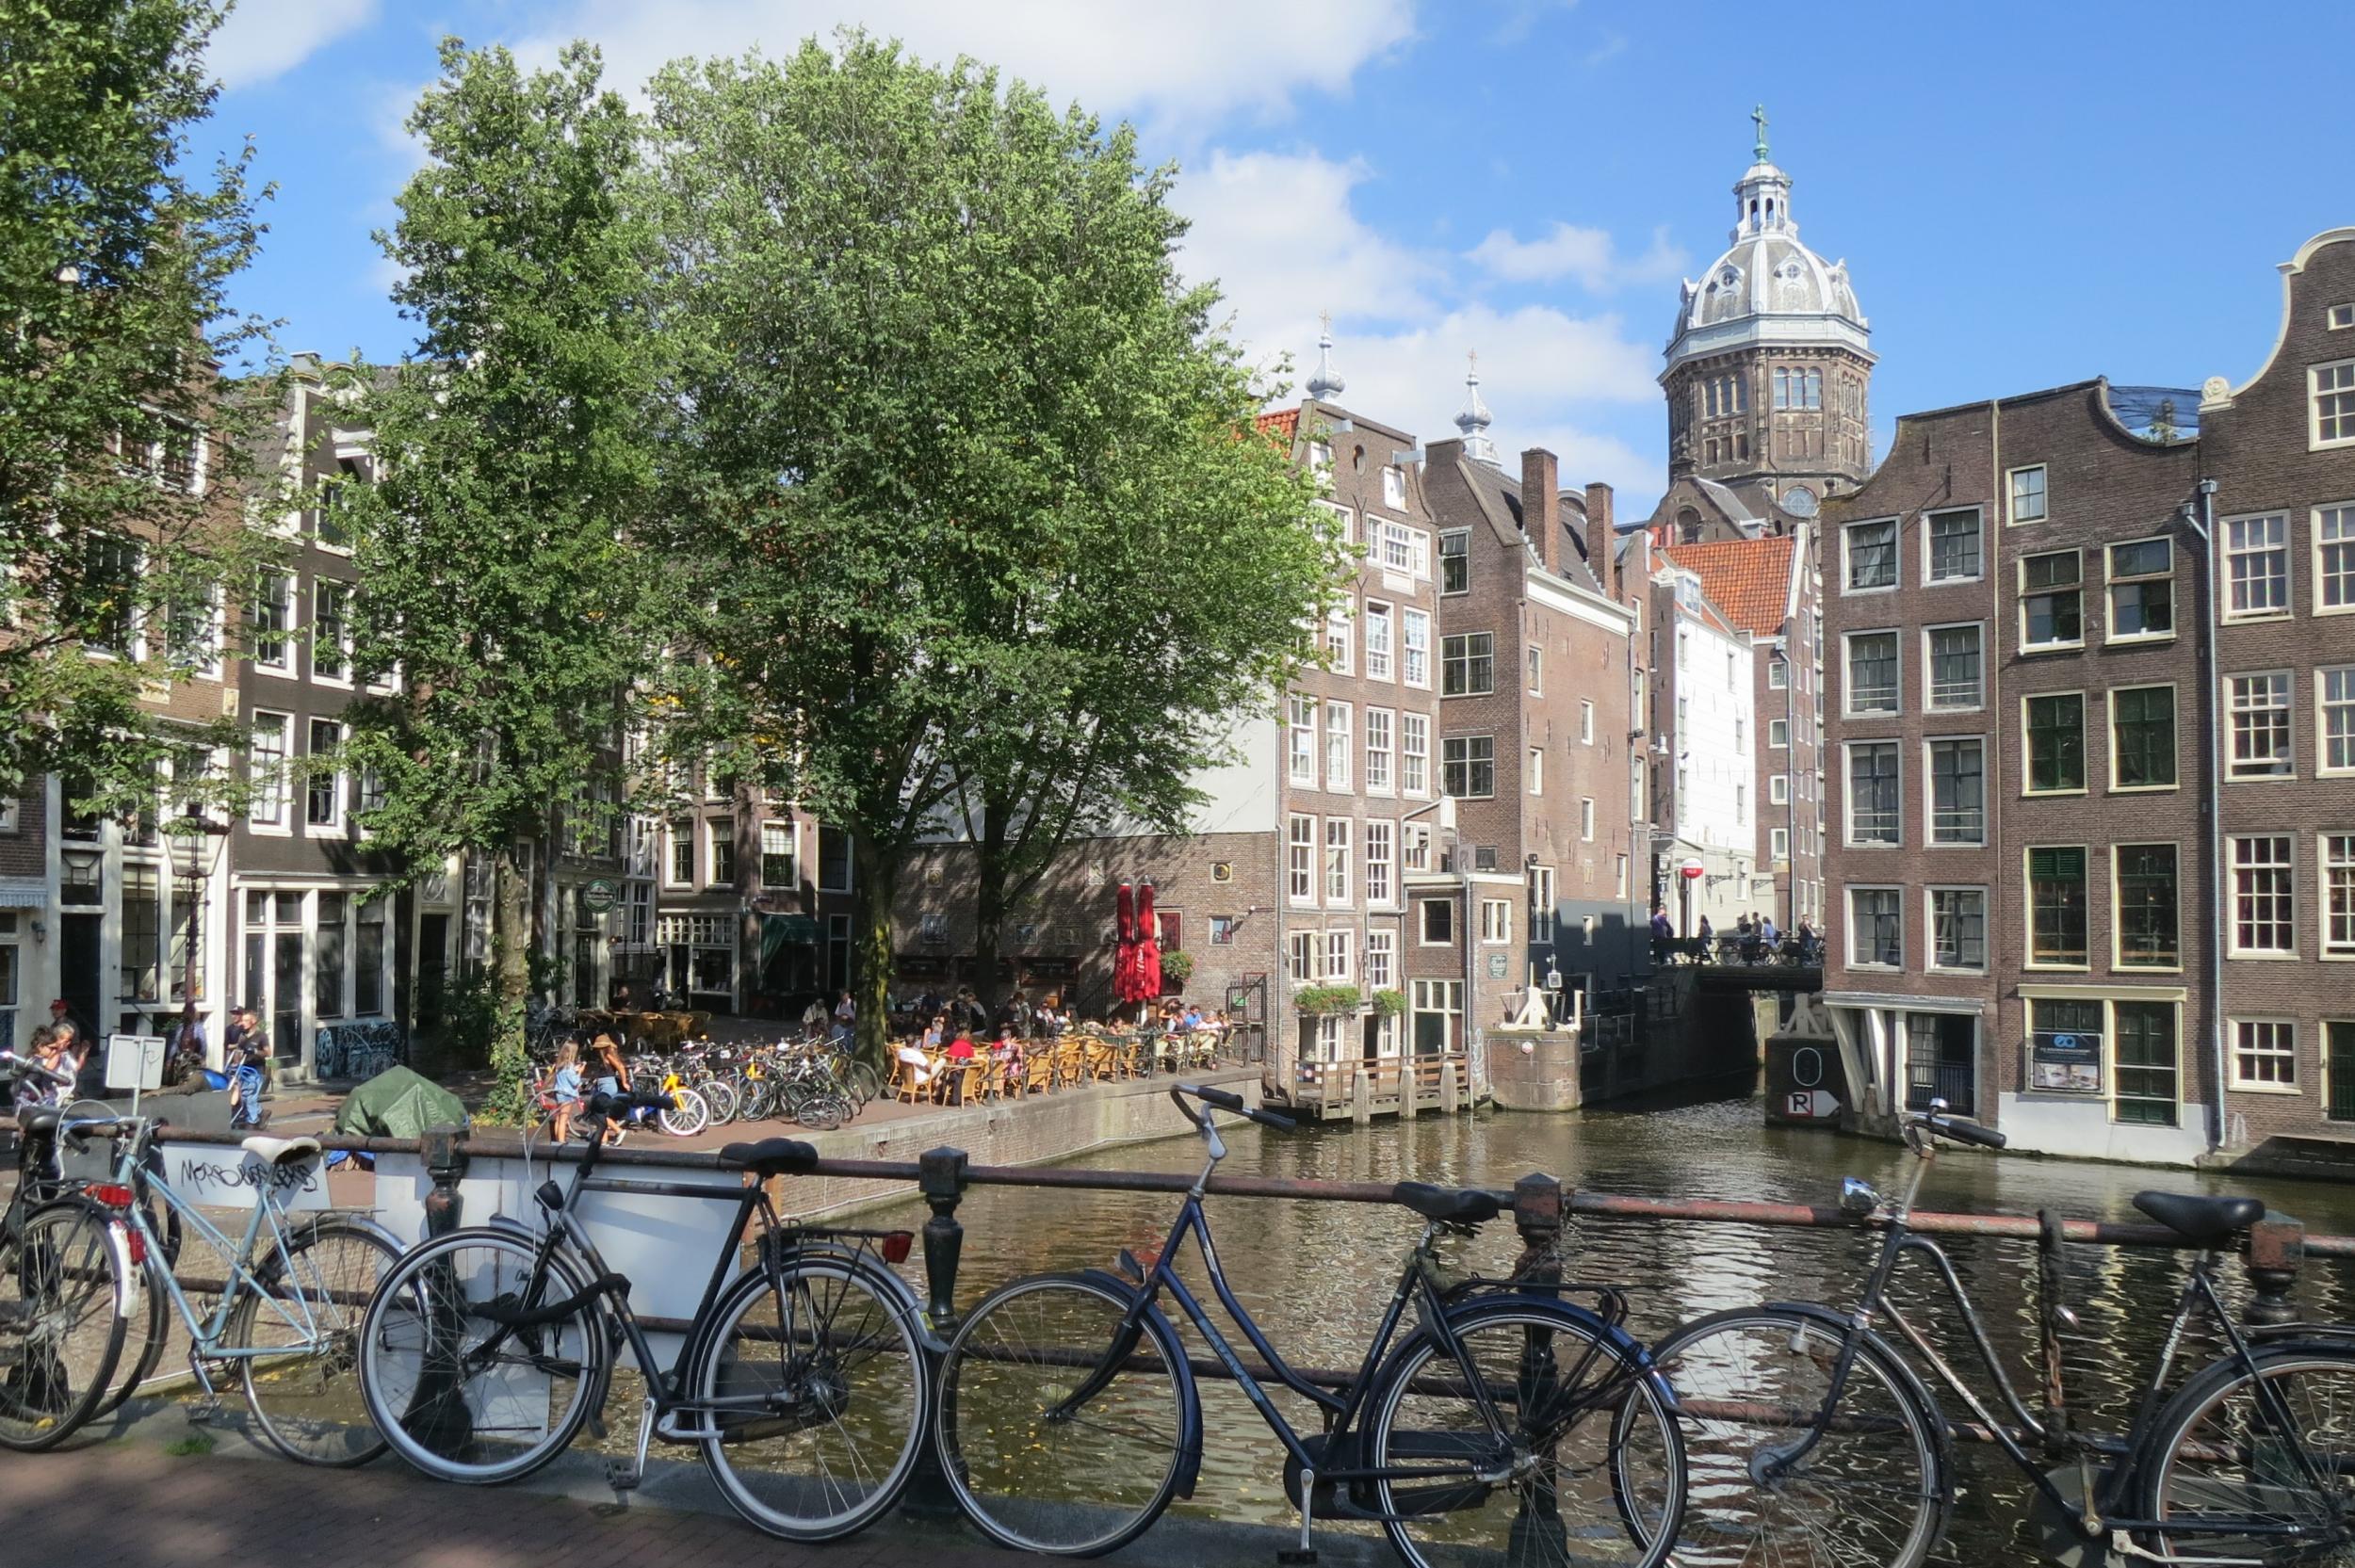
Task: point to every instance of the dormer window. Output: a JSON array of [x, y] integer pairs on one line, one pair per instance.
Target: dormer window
[[1394, 488]]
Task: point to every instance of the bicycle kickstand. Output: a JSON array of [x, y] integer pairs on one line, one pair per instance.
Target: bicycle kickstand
[[1304, 1555], [624, 1475], [205, 1409]]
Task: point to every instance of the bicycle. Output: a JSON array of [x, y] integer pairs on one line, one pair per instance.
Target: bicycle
[[1812, 1440], [800, 1379], [1508, 1424], [65, 1293]]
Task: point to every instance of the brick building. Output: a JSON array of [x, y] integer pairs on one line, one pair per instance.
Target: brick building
[[753, 906]]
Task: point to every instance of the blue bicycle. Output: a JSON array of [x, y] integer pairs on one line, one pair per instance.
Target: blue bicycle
[[1507, 1425]]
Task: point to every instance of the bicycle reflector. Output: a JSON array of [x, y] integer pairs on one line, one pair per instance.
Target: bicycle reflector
[[112, 1194], [896, 1245]]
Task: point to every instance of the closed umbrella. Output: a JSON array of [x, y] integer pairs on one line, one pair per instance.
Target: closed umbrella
[[1125, 958], [1148, 947]]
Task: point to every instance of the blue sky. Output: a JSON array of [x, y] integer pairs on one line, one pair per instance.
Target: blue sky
[[2025, 194]]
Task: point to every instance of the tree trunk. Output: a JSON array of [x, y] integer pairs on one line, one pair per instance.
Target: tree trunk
[[878, 882], [989, 916], [510, 926]]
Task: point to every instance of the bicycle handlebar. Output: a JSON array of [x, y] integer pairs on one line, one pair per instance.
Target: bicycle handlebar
[[1961, 1129], [1227, 1100], [27, 1064]]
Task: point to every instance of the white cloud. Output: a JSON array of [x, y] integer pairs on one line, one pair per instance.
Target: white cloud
[[263, 39], [1568, 251]]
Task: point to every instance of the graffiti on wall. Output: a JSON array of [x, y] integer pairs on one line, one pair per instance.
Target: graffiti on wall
[[356, 1052]]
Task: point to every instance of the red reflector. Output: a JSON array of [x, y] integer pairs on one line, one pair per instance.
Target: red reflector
[[896, 1245], [112, 1194], [139, 1250]]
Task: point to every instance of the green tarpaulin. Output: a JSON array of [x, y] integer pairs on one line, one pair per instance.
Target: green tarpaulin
[[399, 1103]]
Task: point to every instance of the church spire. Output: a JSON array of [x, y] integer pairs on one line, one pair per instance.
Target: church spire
[[1473, 421], [1326, 384]]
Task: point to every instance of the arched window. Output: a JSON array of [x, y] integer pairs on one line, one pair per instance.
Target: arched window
[[1689, 526]]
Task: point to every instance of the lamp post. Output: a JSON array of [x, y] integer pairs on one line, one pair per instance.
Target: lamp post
[[195, 842]]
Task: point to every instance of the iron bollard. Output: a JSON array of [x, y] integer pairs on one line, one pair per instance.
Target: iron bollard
[[1538, 1205], [1538, 1533], [442, 1422], [2276, 1246], [940, 1176], [445, 1150]]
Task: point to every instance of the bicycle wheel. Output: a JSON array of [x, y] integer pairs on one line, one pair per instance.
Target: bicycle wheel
[[2258, 1467], [1604, 1491], [303, 1313], [862, 1083], [146, 1333], [686, 1116], [1872, 1489], [817, 1390], [722, 1101], [457, 1390], [65, 1301], [824, 1110], [1038, 1477]]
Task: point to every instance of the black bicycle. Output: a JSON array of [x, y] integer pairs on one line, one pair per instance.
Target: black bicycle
[[1811, 1441], [1506, 1426], [800, 1379]]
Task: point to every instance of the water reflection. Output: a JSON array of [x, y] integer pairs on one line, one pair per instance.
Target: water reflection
[[1317, 1275]]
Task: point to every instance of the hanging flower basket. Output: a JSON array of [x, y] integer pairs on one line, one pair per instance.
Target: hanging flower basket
[[1390, 1004], [1326, 1000], [1177, 969]]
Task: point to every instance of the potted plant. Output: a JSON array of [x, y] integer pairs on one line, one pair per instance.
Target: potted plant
[[1322, 1000], [1390, 1004], [1177, 969]]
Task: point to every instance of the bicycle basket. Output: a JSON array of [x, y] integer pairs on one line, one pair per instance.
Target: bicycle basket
[[85, 1159]]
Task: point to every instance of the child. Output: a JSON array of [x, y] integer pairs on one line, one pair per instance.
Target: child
[[564, 1088], [47, 1049]]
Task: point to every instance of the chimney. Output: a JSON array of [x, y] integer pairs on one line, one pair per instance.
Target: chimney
[[1541, 505], [1601, 534]]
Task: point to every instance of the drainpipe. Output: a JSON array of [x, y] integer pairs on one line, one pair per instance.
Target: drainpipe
[[2202, 522]]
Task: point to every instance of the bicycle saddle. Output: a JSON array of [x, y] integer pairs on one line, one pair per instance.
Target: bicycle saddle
[[2199, 1215], [38, 1122], [771, 1156], [1448, 1205], [281, 1150]]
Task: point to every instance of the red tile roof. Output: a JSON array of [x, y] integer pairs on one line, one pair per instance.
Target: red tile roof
[[1749, 579], [1281, 425]]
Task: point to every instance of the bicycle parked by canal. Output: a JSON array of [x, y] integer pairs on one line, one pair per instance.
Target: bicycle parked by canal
[[1812, 1440], [800, 1379], [1507, 1425]]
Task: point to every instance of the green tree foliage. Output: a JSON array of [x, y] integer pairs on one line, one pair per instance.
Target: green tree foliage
[[514, 459], [123, 454], [962, 475]]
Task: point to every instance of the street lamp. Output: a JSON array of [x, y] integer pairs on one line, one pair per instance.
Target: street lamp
[[195, 842]]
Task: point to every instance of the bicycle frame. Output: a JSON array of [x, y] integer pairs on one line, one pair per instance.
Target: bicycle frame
[[206, 1333]]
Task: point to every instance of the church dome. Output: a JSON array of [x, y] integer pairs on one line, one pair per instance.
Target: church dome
[[1767, 288]]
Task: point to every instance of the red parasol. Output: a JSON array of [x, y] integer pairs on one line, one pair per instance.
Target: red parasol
[[1148, 947], [1124, 960]]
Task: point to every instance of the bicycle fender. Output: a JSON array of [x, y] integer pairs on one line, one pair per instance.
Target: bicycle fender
[[1630, 1350], [1838, 1324], [1189, 1400], [902, 1293]]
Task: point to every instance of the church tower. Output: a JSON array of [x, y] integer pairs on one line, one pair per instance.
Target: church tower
[[1770, 364]]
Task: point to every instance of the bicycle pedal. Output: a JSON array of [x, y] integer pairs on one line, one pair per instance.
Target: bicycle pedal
[[622, 1476]]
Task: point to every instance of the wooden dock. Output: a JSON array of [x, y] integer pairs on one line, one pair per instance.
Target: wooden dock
[[1388, 1086]]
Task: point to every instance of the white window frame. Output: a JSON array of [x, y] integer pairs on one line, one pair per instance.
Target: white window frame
[[1381, 750], [1300, 741], [1395, 486], [1535, 669], [1929, 791], [1339, 953], [1930, 702], [1381, 862], [1847, 674], [1381, 960], [1300, 860], [1543, 906], [350, 595], [2280, 1047], [1335, 863], [1778, 844], [2339, 516], [1414, 628], [711, 826], [1777, 735], [1929, 929], [271, 808], [1341, 739], [1301, 956], [286, 586], [1586, 721], [1848, 584], [1847, 795], [2342, 375], [1496, 922], [2276, 525], [1414, 754], [1340, 640], [2283, 683], [2236, 867], [339, 823], [1779, 790], [1931, 577], [2014, 489], [2334, 862], [1381, 652], [2343, 677], [2025, 594], [1586, 819], [2112, 581]]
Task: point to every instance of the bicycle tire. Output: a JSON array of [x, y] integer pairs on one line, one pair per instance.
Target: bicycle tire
[[1440, 1523], [686, 1116], [778, 1473], [2253, 1474], [64, 1309], [722, 1101], [991, 1426], [441, 1433], [1876, 1489], [153, 1325], [863, 1083], [308, 1401], [824, 1112]]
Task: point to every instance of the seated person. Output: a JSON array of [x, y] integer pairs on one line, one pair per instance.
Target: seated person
[[910, 1055], [961, 1048]]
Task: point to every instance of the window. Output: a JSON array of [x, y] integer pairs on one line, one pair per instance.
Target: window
[[1414, 753], [1872, 553], [2028, 495], [2334, 559], [1396, 549], [192, 632], [1337, 956], [1340, 639], [1955, 545], [2259, 708], [1779, 734], [1798, 389], [1438, 923], [1455, 561], [2145, 1052], [1467, 664], [833, 859], [1380, 778], [273, 617], [1875, 929], [1301, 860], [331, 631], [721, 831], [2257, 565], [1957, 792], [2052, 603], [2265, 900], [323, 787], [2341, 317], [776, 855], [1872, 673], [2142, 737], [265, 767], [1416, 837], [2147, 905], [1496, 920], [1302, 732], [1378, 621], [1301, 956], [1415, 639], [1381, 845], [1586, 821], [1959, 928], [1336, 860], [327, 974], [1779, 790], [2338, 895], [1381, 968], [1338, 745], [1467, 766], [2334, 403], [1876, 813], [1541, 904], [2142, 590], [143, 939], [1954, 667], [2334, 693], [682, 853], [1536, 663], [1586, 722], [1533, 775], [2056, 743], [2056, 908], [1321, 456], [1779, 844], [2264, 1052], [1394, 488], [1740, 802], [367, 958]]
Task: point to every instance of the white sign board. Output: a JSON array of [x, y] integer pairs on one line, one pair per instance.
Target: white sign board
[[218, 1175], [1816, 1105], [135, 1061]]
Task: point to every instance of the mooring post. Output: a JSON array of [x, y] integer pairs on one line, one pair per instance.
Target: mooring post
[[438, 1420], [444, 1151], [2276, 1246], [940, 1176], [1538, 1205]]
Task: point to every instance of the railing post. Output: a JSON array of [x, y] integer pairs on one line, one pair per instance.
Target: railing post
[[940, 1176], [444, 1151], [2276, 1246], [443, 1423], [1538, 1205]]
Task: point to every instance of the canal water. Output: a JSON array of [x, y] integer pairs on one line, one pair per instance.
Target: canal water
[[1316, 1276]]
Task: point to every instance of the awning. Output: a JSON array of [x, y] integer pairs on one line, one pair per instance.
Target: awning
[[24, 893], [776, 930]]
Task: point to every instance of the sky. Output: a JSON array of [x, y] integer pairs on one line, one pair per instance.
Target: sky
[[2026, 195]]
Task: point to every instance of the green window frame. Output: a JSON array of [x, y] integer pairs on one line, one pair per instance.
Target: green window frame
[[2142, 736], [2056, 743]]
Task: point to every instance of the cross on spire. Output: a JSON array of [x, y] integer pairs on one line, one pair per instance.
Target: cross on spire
[[1758, 118]]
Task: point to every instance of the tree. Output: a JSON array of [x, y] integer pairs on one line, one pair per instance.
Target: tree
[[123, 454], [935, 381], [514, 461]]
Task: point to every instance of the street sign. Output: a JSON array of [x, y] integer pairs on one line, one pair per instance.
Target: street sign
[[1497, 966], [1815, 1105], [598, 896], [1691, 869], [135, 1061]]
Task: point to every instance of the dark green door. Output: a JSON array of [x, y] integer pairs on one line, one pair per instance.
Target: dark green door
[[2340, 1044]]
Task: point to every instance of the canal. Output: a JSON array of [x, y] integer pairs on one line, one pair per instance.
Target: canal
[[1316, 1275]]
